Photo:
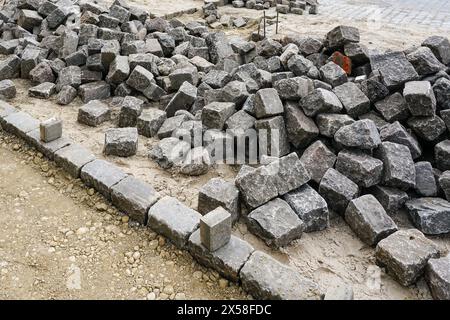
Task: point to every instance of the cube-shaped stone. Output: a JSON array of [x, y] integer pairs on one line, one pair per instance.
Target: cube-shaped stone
[[317, 159], [337, 190], [393, 108], [94, 91], [214, 115], [174, 220], [429, 129], [219, 193], [19, 123], [391, 199], [430, 215], [311, 208], [121, 142], [215, 229], [94, 113], [396, 133], [72, 158], [131, 109], [276, 223], [420, 98], [182, 100], [353, 99], [51, 129], [405, 255], [150, 121], [425, 182], [267, 103], [364, 170], [330, 123], [273, 136], [301, 129], [368, 219], [333, 74], [134, 197], [442, 155], [437, 274], [102, 175], [320, 101], [42, 91]]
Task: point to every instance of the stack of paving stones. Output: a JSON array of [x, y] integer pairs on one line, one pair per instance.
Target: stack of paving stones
[[282, 6], [217, 21], [360, 134]]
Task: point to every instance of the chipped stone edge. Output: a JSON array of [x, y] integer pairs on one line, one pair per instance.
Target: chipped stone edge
[[15, 131]]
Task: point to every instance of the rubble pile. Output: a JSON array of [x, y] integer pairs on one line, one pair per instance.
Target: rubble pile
[[364, 134], [217, 21], [282, 6]]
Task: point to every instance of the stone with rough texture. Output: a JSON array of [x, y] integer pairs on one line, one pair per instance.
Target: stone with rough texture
[[362, 134], [131, 109], [72, 158], [51, 129], [134, 197], [320, 101], [342, 35], [121, 142], [368, 219], [361, 168], [276, 223], [440, 47], [311, 208], [102, 175], [267, 103], [420, 98], [405, 254], [353, 99], [330, 123], [430, 215], [182, 100], [427, 128], [66, 95], [393, 108], [442, 155], [333, 74], [150, 121], [228, 260], [7, 89], [425, 181], [396, 133], [18, 123], [273, 136], [219, 193], [214, 115], [301, 130], [169, 152], [437, 274], [317, 159], [48, 149], [391, 199], [399, 171], [275, 179], [42, 91], [174, 220], [215, 229], [268, 279], [424, 61], [441, 89], [294, 88], [394, 68], [97, 90], [94, 113], [444, 183]]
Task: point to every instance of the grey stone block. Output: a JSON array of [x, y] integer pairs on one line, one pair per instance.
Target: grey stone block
[[394, 68], [311, 208], [140, 78], [333, 74], [119, 70], [69, 76], [134, 197], [317, 159], [399, 170], [396, 133], [368, 219], [405, 255], [150, 121], [197, 162], [442, 155], [429, 129], [393, 108], [131, 109], [174, 220], [94, 91], [441, 89], [391, 199], [362, 134], [353, 99], [214, 115], [275, 179], [342, 35], [301, 130], [182, 100], [420, 98], [267, 103], [228, 260], [187, 74], [219, 193], [169, 152], [437, 274], [42, 91], [42, 72], [276, 223], [361, 168], [102, 175], [72, 158], [10, 67], [51, 129], [320, 101], [425, 182], [444, 183], [19, 123], [28, 19], [330, 123], [7, 89], [94, 113], [424, 61], [273, 136], [294, 88], [430, 215], [121, 142], [215, 229], [440, 47], [66, 95], [266, 278], [170, 125], [48, 149]]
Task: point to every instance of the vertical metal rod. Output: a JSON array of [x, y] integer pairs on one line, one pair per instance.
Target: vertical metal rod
[[276, 28], [264, 24]]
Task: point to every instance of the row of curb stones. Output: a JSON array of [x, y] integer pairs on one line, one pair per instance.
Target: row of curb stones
[[261, 275]]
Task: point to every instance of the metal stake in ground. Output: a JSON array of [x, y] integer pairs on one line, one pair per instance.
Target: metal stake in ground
[[276, 27], [264, 24]]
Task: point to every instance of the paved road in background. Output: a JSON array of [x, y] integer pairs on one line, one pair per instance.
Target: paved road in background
[[433, 13]]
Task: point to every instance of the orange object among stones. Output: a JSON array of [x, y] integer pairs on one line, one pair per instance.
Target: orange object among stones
[[343, 61]]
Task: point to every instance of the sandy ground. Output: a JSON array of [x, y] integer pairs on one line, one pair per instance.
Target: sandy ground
[[60, 240]]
